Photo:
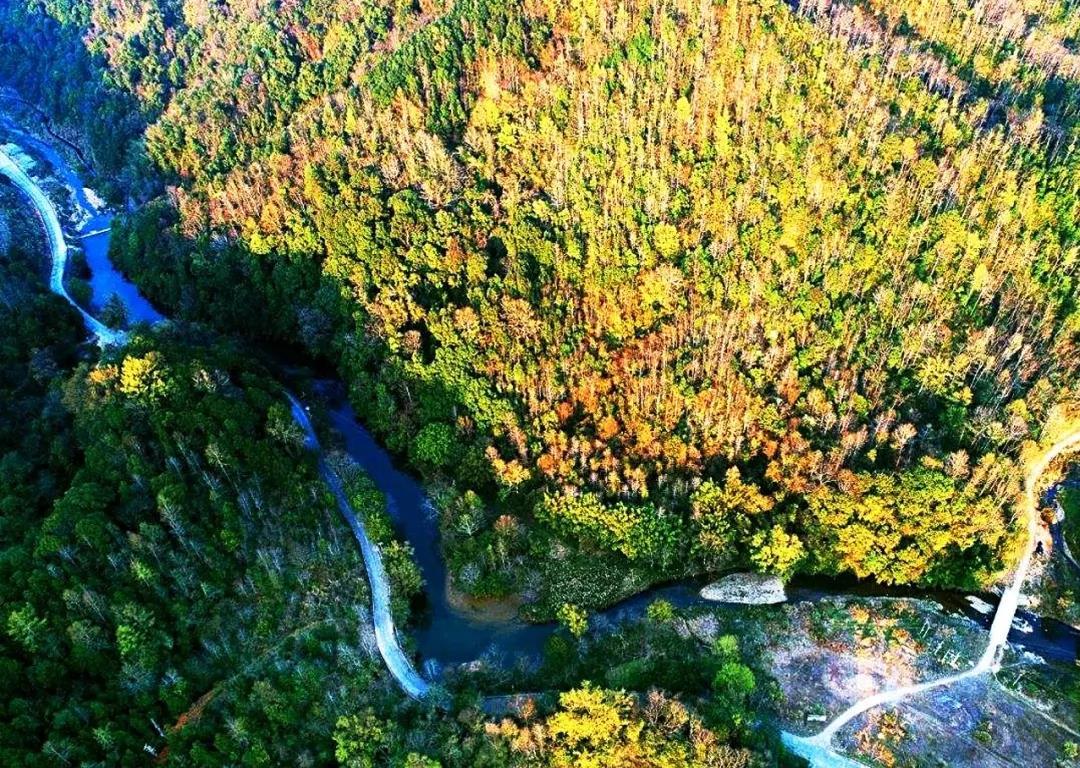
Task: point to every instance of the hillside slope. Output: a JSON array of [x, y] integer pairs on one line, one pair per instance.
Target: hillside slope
[[684, 285]]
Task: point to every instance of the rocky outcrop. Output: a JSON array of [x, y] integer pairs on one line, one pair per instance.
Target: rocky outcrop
[[746, 589]]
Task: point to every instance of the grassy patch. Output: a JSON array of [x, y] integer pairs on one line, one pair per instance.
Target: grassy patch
[[587, 580], [1070, 527]]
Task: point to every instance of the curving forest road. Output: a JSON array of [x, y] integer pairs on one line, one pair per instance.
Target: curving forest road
[[385, 633], [817, 749]]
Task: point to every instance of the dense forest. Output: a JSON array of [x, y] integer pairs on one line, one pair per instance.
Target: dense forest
[[160, 541], [640, 290], [680, 285], [688, 286], [178, 589]]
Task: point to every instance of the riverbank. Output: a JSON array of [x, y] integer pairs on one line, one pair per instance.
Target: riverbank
[[54, 232], [11, 97], [1057, 589], [81, 270], [57, 163], [484, 610], [449, 631]]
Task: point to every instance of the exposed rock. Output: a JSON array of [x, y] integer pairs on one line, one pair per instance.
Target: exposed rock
[[980, 605], [747, 589]]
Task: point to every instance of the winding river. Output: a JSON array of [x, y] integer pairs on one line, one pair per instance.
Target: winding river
[[445, 634]]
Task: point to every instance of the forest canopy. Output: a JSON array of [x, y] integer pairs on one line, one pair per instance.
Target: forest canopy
[[692, 285], [641, 290]]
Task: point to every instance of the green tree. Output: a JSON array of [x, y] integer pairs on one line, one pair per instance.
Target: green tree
[[433, 447], [660, 612], [26, 628], [776, 551], [575, 619], [362, 740], [724, 515]]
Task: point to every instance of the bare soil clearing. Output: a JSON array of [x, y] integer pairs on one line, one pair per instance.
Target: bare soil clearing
[[840, 651], [975, 723]]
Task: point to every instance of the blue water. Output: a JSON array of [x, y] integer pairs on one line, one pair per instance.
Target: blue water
[[400, 665], [449, 635], [105, 280], [444, 633]]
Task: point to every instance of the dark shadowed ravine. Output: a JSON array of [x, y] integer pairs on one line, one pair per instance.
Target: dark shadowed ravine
[[443, 634]]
